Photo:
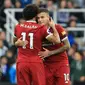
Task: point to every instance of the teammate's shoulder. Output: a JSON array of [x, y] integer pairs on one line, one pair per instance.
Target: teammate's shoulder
[[58, 25], [42, 26]]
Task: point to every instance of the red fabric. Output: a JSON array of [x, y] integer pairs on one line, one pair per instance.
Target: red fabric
[[61, 56], [39, 33], [57, 73], [30, 74], [57, 66]]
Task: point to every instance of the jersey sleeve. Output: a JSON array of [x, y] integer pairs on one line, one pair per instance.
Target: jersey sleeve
[[62, 32], [45, 32]]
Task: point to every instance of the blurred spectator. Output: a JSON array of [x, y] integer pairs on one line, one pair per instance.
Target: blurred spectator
[[4, 69], [17, 4], [75, 46], [12, 74], [78, 3], [71, 35], [40, 3], [13, 48], [10, 54], [7, 4], [18, 15], [25, 2], [71, 52], [3, 48], [10, 57], [3, 38], [51, 6], [73, 24], [71, 38], [72, 21], [78, 70], [37, 2], [63, 4], [63, 17], [78, 15], [70, 5], [11, 64]]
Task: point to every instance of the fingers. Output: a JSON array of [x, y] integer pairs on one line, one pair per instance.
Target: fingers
[[26, 42], [40, 53], [50, 18], [20, 38], [42, 57], [44, 49]]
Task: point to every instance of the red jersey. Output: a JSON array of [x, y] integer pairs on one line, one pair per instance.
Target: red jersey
[[51, 46], [34, 34]]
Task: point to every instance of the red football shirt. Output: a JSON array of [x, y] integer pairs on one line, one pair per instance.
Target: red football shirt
[[34, 34], [51, 46]]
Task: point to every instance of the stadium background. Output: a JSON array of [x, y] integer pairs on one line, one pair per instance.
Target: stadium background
[[69, 13]]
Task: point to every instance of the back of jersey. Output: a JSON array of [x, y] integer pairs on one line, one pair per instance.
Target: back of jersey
[[31, 32]]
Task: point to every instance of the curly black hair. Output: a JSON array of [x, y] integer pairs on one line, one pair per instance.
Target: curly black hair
[[30, 11]]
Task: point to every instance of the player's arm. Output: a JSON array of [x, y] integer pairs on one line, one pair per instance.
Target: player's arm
[[16, 41], [20, 42], [53, 37], [47, 53], [64, 40], [65, 47]]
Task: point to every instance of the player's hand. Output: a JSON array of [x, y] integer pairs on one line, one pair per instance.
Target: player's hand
[[51, 23], [21, 42], [44, 54]]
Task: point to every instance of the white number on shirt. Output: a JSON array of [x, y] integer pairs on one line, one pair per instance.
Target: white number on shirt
[[31, 39], [66, 77]]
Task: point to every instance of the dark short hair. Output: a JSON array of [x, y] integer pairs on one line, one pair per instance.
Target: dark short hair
[[43, 10], [30, 11]]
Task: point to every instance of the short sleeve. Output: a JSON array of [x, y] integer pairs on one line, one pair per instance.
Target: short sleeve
[[45, 32], [62, 32]]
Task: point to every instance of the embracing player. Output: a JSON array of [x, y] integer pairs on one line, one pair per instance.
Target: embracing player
[[55, 56], [28, 38]]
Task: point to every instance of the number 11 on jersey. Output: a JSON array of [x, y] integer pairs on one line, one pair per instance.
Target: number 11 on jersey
[[31, 39]]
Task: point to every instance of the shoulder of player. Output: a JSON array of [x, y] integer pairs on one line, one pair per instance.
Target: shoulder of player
[[42, 26], [59, 27]]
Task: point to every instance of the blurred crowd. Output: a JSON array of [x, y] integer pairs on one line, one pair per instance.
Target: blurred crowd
[[8, 52]]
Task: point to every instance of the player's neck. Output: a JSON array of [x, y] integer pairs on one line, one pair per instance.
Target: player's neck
[[31, 20]]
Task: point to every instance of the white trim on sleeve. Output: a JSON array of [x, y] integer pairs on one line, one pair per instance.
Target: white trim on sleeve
[[49, 35], [64, 38]]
